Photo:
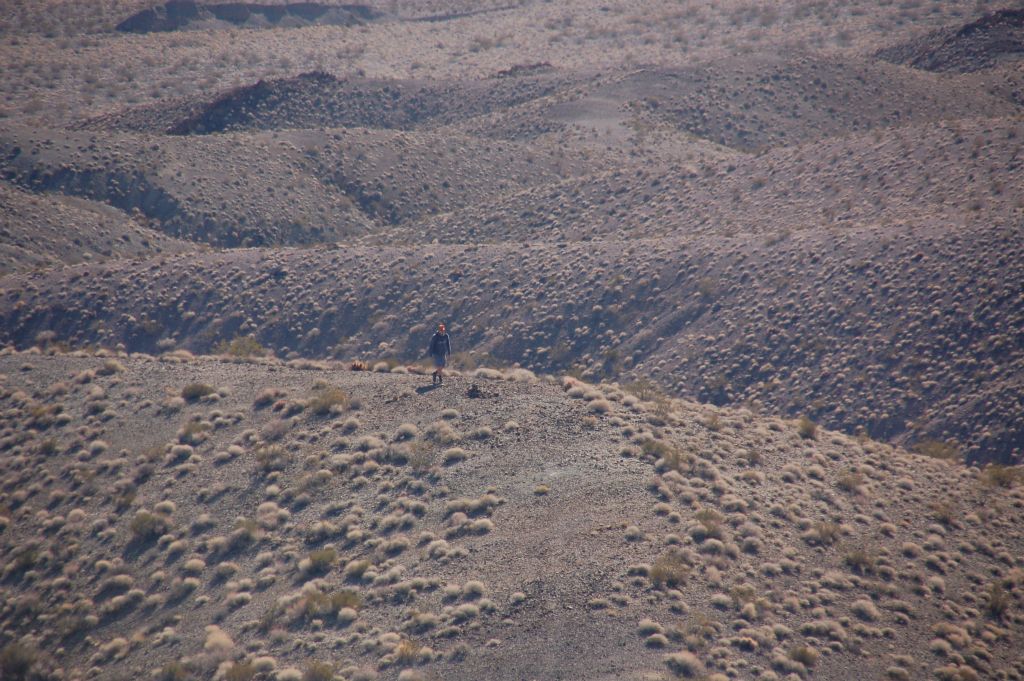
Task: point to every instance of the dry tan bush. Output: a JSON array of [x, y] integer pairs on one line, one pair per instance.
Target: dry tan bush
[[937, 449], [684, 664], [194, 391], [806, 428], [669, 570], [328, 400]]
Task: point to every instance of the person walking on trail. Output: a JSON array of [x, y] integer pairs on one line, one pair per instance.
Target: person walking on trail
[[440, 349]]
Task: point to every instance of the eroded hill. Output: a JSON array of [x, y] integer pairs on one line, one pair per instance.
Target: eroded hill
[[989, 41], [184, 516], [911, 334], [46, 230]]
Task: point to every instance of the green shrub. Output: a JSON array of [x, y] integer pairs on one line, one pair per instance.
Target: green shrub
[[193, 391]]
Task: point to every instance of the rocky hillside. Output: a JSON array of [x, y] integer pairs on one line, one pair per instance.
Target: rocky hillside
[[854, 318], [34, 232], [982, 44], [189, 517]]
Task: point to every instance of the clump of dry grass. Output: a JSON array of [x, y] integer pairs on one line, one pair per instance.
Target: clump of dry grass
[[996, 475], [806, 428], [804, 654], [997, 601], [669, 570], [146, 526], [195, 391], [327, 401], [937, 449], [684, 664]]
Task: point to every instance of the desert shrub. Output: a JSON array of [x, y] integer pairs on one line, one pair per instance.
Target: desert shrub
[[406, 431], [174, 671], [317, 604], [146, 526], [267, 397], [356, 568], [454, 455], [194, 391], [322, 560], [825, 533], [659, 449], [269, 618], [421, 456], [16, 661], [327, 399], [645, 389], [860, 561], [805, 655], [240, 671], [937, 449], [346, 598], [997, 601], [850, 481], [318, 671], [271, 458], [194, 432], [669, 570], [684, 664], [944, 512], [274, 431], [407, 653], [806, 428], [358, 365], [110, 367], [241, 346], [996, 475]]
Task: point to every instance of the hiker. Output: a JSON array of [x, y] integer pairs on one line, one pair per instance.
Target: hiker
[[440, 348]]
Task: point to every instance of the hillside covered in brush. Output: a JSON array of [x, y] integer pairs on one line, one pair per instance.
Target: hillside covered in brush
[[183, 517]]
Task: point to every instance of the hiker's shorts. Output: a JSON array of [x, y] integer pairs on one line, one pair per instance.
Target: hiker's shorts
[[440, 361]]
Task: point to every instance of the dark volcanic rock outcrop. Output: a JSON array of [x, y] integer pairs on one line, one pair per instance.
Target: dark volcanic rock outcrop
[[317, 99], [972, 47], [178, 14]]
